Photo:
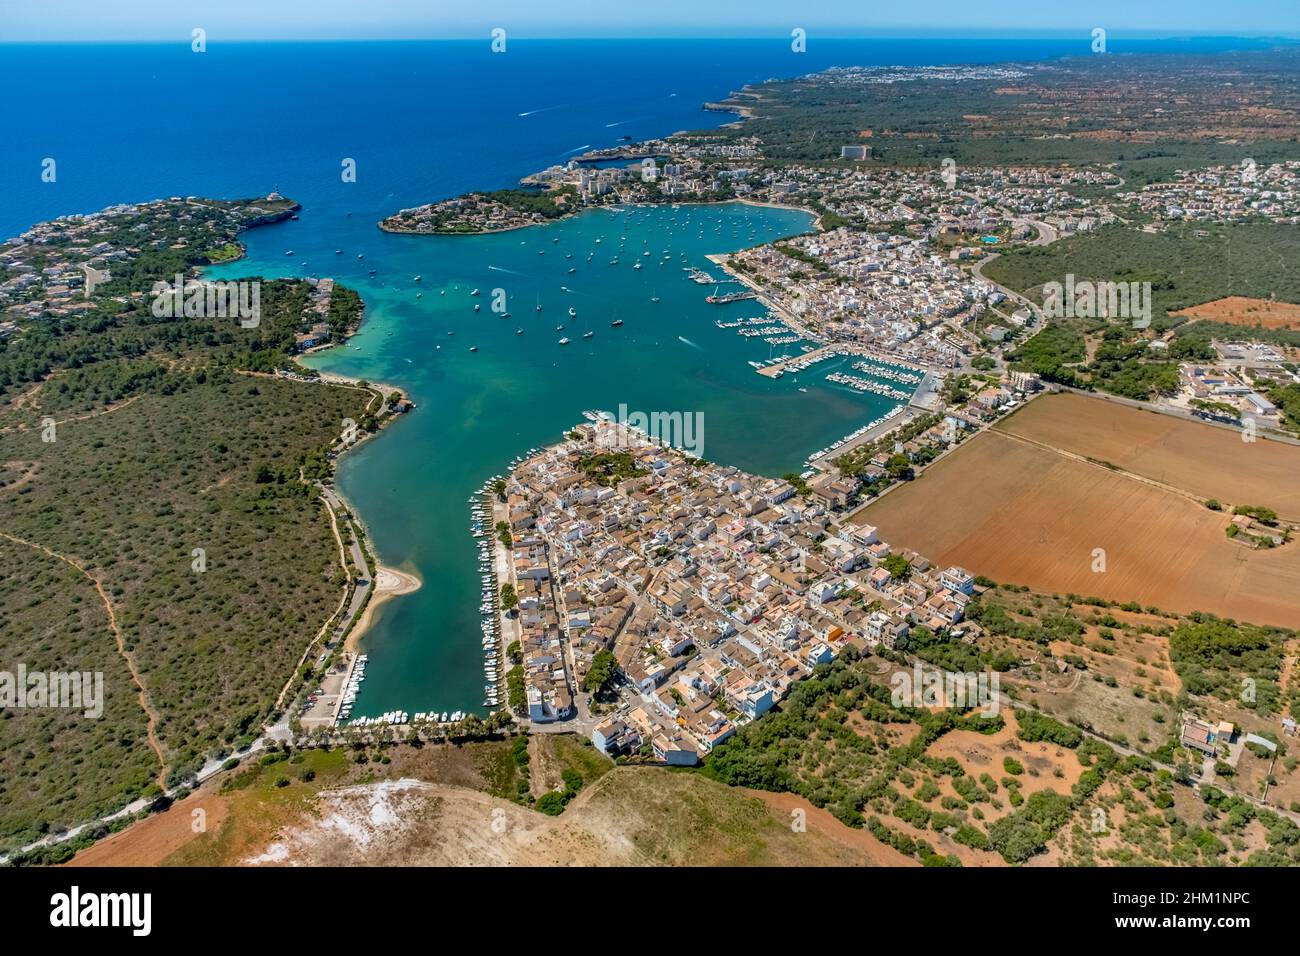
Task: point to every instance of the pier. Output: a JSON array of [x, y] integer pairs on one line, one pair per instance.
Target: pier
[[799, 362], [825, 462]]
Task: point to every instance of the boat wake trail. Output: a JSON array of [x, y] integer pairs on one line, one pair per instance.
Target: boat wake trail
[[682, 338], [579, 149], [500, 269]]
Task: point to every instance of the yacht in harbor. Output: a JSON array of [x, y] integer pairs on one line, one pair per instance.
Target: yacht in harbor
[[564, 341]]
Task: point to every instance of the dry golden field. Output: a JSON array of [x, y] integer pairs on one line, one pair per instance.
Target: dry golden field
[[1203, 460], [1021, 512], [1242, 310]]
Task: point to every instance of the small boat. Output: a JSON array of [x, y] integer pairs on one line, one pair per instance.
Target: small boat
[[616, 323], [559, 328], [288, 252], [338, 252], [519, 331], [475, 292], [587, 335], [572, 311], [416, 279], [564, 341], [473, 348], [477, 306], [572, 271]]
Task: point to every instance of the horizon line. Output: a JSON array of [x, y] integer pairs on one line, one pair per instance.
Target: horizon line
[[1112, 34]]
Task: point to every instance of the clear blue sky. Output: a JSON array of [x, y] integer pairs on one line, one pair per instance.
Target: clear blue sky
[[81, 20]]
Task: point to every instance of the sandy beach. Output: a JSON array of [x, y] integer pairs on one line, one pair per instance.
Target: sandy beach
[[389, 583]]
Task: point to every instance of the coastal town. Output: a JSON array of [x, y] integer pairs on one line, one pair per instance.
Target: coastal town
[[636, 596], [713, 590], [54, 269], [657, 602]]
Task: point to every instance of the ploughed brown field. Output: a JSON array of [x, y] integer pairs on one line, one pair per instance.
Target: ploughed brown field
[[1202, 460], [1242, 310], [1023, 513]]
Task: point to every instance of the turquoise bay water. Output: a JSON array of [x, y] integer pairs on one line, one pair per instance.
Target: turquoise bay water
[[427, 120], [478, 410]]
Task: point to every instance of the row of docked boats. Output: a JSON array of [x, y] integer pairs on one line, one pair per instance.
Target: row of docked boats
[[860, 384], [394, 717], [490, 620], [854, 435], [881, 370], [353, 686]]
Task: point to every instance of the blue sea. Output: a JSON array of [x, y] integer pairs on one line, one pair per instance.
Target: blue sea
[[423, 120], [426, 120]]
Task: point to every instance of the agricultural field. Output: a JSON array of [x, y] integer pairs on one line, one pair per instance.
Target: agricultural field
[[1245, 311], [1203, 461], [1047, 517]]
